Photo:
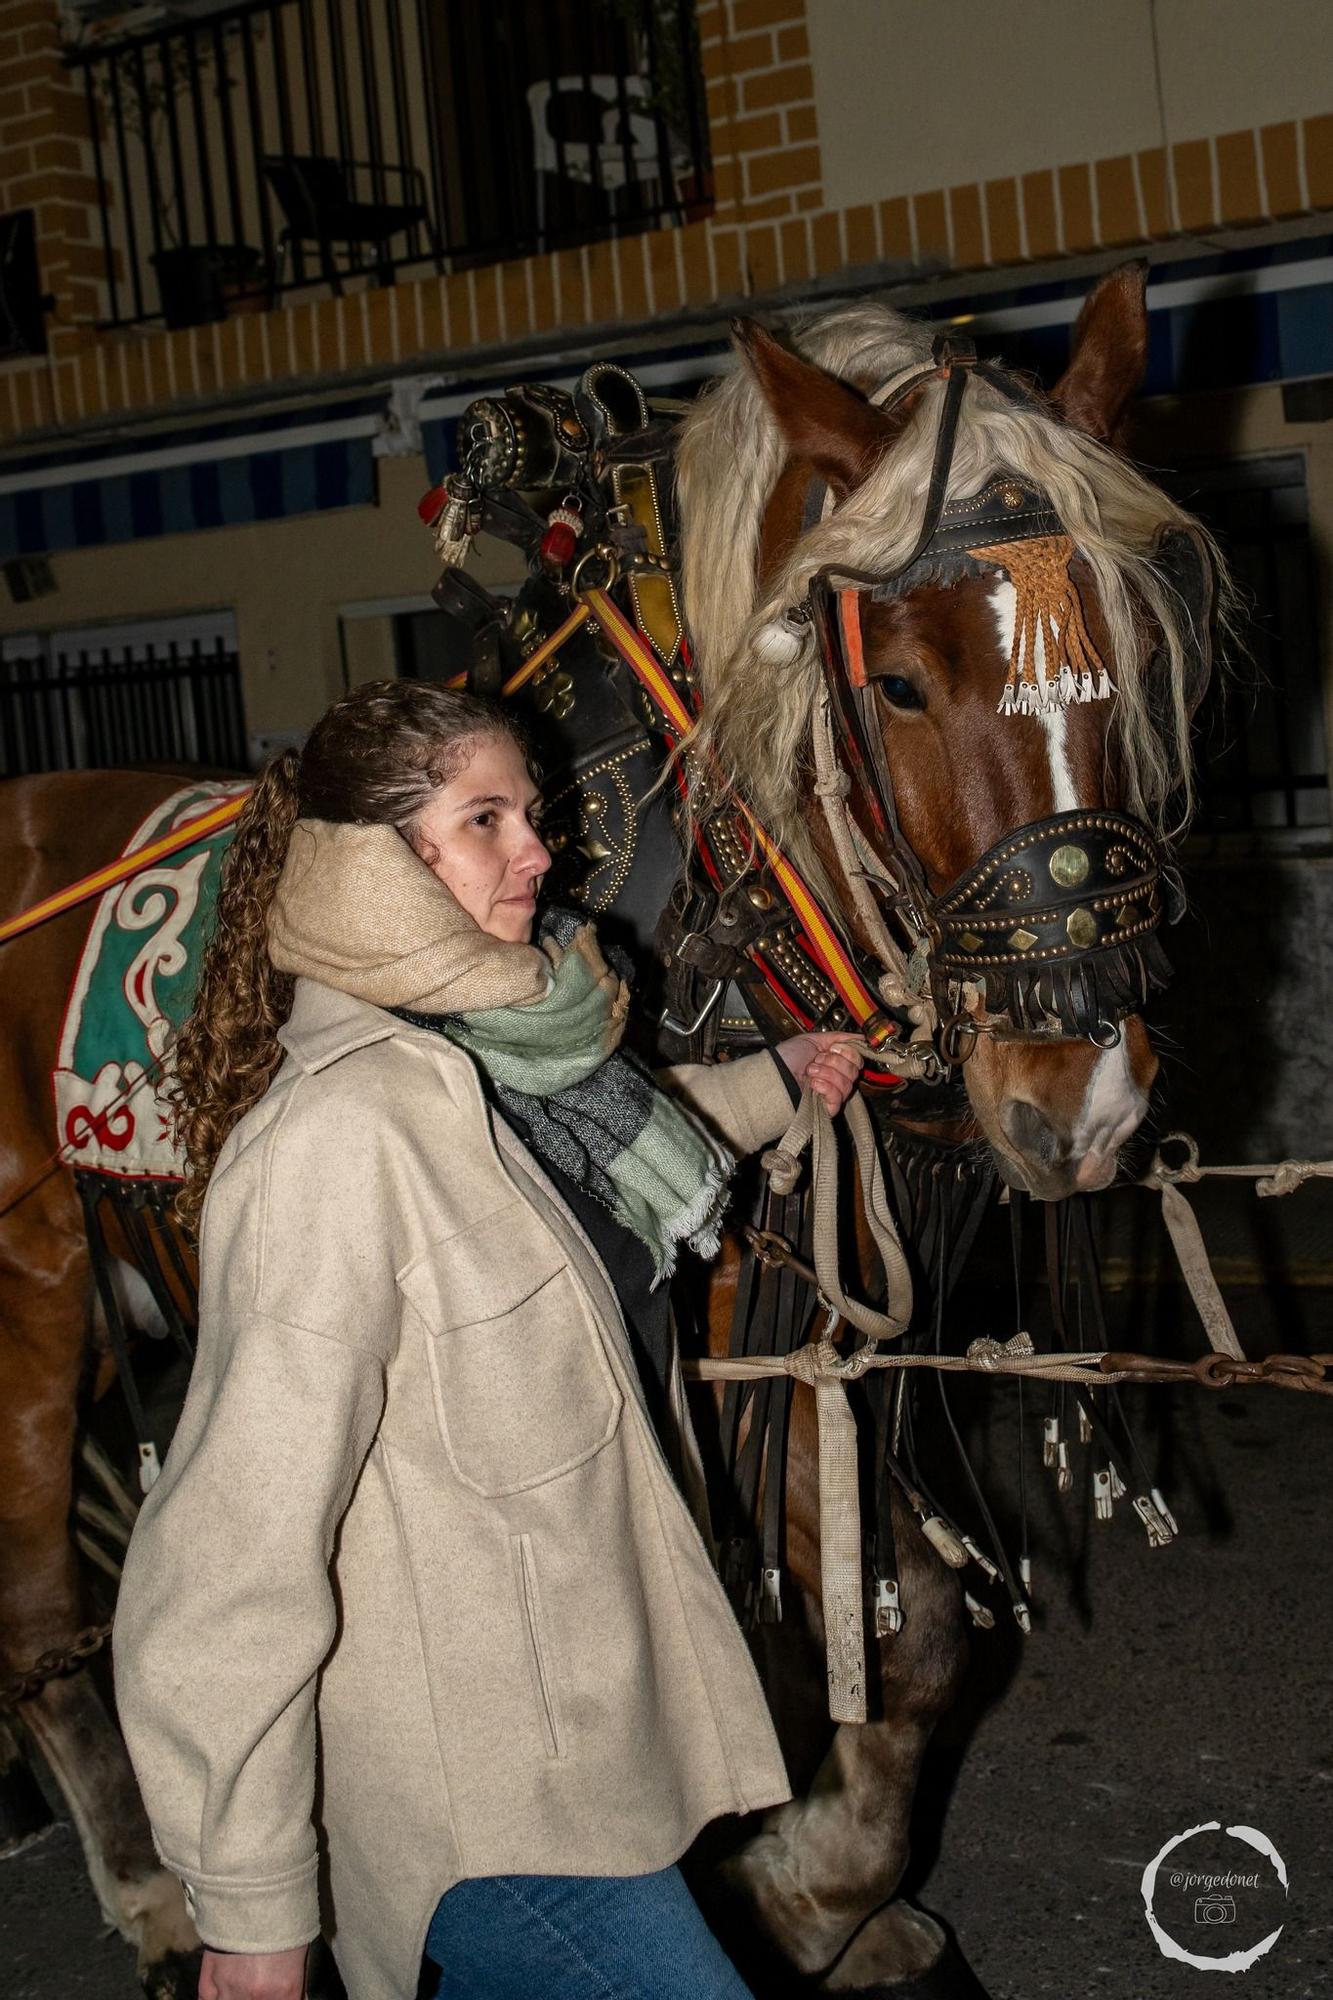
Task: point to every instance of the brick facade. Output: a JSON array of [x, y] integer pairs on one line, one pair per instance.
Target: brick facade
[[770, 232]]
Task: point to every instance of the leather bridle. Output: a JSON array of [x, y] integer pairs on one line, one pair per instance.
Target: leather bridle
[[1055, 924]]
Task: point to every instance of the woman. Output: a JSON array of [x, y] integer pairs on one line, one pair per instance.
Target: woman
[[416, 1627]]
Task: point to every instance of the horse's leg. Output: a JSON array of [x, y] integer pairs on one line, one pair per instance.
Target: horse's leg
[[24, 1813], [822, 1865], [43, 1320]]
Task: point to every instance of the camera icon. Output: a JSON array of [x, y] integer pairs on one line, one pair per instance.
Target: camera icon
[[1215, 1909]]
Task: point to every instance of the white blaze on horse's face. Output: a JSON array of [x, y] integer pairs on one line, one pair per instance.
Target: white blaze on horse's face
[[1111, 1113], [1054, 722]]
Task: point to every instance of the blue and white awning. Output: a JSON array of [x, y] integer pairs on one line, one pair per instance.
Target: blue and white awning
[[223, 473], [1221, 321]]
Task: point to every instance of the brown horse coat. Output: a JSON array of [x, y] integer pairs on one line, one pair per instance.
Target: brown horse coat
[[415, 1505]]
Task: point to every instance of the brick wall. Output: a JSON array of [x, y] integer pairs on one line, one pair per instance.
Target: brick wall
[[770, 232], [46, 165]]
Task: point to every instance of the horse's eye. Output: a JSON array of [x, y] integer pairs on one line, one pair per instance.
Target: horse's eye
[[899, 691]]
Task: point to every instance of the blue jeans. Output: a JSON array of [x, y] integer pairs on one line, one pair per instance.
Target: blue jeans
[[577, 1937]]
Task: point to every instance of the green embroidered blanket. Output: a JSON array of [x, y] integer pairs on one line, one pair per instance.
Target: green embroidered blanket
[[134, 986]]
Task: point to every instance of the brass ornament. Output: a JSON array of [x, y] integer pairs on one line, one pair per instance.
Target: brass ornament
[[1022, 940], [554, 692], [1081, 928], [970, 941], [1069, 866]]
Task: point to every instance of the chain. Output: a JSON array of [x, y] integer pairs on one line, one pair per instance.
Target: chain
[[53, 1665]]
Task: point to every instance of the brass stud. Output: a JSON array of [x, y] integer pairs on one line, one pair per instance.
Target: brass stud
[[1022, 940], [760, 897], [1081, 928], [1013, 496], [1069, 866]]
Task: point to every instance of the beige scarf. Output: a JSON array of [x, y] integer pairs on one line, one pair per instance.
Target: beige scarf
[[356, 909]]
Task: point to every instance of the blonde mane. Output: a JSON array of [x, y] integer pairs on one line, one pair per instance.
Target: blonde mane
[[759, 675]]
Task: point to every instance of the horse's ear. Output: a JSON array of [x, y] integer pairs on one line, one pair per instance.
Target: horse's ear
[[822, 419], [1109, 354]]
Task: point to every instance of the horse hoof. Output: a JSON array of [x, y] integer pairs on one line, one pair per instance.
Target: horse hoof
[[174, 1976], [949, 1978]]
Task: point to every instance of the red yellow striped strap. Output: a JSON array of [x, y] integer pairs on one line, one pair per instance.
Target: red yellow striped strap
[[120, 871], [223, 815], [823, 942], [536, 659]]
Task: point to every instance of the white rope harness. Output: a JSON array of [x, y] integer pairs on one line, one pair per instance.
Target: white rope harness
[[826, 1370]]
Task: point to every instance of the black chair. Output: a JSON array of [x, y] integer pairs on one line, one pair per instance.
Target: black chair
[[319, 206]]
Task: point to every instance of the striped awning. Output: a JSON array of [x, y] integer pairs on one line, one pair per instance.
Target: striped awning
[[256, 466]]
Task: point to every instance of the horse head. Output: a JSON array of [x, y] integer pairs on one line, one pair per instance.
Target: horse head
[[1002, 629]]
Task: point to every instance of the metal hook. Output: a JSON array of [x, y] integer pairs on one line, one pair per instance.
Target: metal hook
[[666, 1019], [953, 1050]]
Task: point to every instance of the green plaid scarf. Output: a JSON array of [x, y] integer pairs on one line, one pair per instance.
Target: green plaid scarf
[[591, 1110]]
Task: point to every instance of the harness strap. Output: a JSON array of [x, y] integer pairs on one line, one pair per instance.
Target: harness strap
[[831, 791], [819, 936], [813, 1127], [92, 885]]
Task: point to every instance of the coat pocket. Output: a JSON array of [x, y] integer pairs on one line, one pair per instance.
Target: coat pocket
[[523, 1388], [541, 1663]]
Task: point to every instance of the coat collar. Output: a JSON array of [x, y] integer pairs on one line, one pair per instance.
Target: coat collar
[[325, 1025]]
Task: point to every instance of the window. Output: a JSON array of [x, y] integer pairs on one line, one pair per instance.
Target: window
[[1263, 747]]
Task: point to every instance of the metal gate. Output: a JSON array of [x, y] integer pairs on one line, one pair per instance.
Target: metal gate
[[164, 693]]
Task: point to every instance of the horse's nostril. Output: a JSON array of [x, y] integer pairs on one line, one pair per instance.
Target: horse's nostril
[[1031, 1133]]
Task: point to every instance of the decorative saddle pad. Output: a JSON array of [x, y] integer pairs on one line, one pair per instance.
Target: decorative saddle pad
[[134, 986]]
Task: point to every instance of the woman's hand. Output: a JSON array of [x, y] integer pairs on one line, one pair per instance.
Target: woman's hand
[[253, 1975], [828, 1064]]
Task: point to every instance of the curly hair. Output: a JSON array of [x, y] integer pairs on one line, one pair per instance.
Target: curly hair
[[376, 758]]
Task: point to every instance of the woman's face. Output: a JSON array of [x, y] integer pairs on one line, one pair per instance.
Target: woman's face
[[477, 835]]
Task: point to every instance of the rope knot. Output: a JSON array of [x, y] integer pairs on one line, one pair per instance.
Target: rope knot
[[989, 1354], [816, 1358], [1287, 1176], [783, 1169]]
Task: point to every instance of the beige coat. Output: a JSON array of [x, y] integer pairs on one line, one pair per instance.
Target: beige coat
[[416, 1597]]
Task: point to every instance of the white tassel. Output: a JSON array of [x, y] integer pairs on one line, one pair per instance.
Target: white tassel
[[456, 524]]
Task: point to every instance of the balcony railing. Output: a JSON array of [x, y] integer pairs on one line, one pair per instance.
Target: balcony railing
[[250, 150]]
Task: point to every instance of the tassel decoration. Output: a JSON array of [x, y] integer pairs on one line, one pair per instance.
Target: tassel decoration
[[452, 510], [1053, 663]]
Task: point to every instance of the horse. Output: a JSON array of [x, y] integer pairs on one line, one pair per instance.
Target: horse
[[814, 466], [956, 783]]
